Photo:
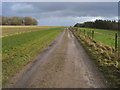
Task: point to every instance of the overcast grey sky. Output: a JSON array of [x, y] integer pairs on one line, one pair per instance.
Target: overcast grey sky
[[62, 13], [61, 0]]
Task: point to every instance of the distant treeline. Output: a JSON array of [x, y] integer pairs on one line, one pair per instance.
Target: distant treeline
[[100, 24], [18, 20]]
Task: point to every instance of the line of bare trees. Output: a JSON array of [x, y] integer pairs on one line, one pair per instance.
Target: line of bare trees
[[18, 20]]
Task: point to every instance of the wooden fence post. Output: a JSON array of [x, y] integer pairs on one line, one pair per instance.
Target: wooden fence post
[[92, 34], [116, 37], [84, 31]]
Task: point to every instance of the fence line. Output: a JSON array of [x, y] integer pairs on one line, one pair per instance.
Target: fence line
[[92, 33]]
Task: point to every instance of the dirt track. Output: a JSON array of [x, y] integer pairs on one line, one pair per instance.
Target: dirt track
[[64, 64]]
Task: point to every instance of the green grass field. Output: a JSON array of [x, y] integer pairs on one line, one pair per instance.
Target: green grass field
[[102, 35], [109, 32], [18, 50]]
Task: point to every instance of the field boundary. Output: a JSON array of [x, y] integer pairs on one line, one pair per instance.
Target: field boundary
[[92, 34]]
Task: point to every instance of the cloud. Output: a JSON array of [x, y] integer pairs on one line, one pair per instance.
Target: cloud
[[69, 21], [21, 7], [62, 13]]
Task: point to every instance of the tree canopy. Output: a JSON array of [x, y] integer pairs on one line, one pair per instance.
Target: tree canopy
[[18, 20], [101, 24]]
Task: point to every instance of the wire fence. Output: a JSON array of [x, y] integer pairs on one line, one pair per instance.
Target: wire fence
[[111, 39]]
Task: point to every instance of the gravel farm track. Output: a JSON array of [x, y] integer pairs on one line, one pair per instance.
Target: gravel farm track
[[64, 64]]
